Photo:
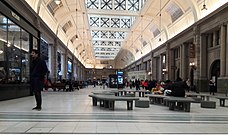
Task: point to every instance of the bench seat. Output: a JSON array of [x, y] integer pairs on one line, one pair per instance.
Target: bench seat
[[179, 103], [156, 99], [142, 103], [108, 101], [208, 104], [222, 100]]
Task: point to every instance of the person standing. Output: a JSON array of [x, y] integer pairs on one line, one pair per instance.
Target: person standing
[[38, 72], [212, 87]]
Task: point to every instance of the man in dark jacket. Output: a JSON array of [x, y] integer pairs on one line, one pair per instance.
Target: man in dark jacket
[[177, 88], [38, 71]]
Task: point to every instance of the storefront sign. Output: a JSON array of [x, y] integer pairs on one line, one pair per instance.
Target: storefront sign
[[15, 16]]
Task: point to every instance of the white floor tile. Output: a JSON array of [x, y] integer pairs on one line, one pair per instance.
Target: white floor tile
[[73, 112]]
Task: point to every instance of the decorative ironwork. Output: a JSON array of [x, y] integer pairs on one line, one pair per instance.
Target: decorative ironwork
[[133, 5], [106, 4], [120, 4]]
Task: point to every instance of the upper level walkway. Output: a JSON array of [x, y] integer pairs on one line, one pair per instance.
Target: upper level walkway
[[73, 112]]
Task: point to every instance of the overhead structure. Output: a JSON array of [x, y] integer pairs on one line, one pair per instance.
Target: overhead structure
[[109, 30]]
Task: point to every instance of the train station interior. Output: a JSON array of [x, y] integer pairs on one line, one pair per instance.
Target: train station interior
[[103, 47]]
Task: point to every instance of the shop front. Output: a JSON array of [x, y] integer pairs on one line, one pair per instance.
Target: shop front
[[17, 38]]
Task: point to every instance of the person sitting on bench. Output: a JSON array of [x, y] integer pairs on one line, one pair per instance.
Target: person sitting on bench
[[177, 88]]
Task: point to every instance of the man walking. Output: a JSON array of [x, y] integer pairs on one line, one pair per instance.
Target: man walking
[[38, 71]]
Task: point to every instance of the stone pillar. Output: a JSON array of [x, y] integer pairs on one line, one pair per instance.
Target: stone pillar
[[72, 74], [171, 64], [66, 63], [201, 82], [222, 52], [214, 38], [153, 67], [203, 57], [222, 82], [184, 61], [203, 64], [226, 39], [54, 60], [162, 76]]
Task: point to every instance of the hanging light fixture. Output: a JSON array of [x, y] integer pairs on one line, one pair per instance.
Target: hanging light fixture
[[57, 2], [76, 20], [141, 31], [160, 22], [83, 35], [204, 6]]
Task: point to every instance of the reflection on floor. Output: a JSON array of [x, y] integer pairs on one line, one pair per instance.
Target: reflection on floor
[[72, 112]]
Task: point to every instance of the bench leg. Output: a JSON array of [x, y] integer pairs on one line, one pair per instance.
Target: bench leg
[[187, 106], [171, 105], [139, 94], [129, 105], [101, 103], [151, 100], [111, 105], [106, 103], [94, 101], [180, 106], [222, 102]]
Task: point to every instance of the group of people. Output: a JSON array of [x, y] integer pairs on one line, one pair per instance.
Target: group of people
[[176, 88], [39, 70]]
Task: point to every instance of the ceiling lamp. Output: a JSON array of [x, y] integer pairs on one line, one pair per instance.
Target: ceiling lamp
[[204, 6], [76, 36], [160, 22], [57, 2], [76, 20], [83, 35]]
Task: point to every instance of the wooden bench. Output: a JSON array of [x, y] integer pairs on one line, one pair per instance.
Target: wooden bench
[[58, 86], [156, 99], [108, 101], [179, 103], [222, 100]]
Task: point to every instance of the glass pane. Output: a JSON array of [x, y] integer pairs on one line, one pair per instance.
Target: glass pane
[[3, 41], [35, 45], [2, 62], [14, 53], [24, 56], [3, 28]]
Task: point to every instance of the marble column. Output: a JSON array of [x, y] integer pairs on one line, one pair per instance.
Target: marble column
[[54, 60], [184, 61], [203, 57], [162, 76], [66, 63], [214, 39], [226, 39], [171, 64], [153, 67], [222, 51]]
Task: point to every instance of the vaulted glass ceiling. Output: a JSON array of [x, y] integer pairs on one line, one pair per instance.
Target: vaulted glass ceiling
[[101, 33], [110, 21]]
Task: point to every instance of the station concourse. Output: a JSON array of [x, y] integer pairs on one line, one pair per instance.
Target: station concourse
[[115, 43]]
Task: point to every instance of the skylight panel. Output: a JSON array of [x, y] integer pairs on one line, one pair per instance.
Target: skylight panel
[[154, 29], [174, 11]]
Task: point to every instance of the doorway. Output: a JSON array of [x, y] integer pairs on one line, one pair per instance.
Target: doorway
[[215, 72]]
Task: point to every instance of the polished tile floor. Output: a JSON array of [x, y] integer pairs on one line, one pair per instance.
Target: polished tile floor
[[73, 113]]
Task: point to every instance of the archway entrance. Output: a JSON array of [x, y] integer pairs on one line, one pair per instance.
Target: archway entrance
[[215, 72]]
